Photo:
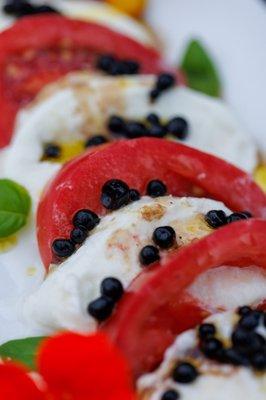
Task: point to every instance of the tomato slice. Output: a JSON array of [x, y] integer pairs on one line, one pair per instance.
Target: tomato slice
[[150, 316], [39, 49], [184, 170]]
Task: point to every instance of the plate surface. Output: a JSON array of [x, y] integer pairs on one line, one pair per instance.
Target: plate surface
[[234, 31]]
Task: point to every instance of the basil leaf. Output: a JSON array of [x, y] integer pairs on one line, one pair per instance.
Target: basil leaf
[[15, 206], [201, 72], [23, 350]]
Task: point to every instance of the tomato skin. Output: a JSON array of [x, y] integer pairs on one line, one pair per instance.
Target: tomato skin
[[78, 185], [15, 384], [148, 319], [23, 74]]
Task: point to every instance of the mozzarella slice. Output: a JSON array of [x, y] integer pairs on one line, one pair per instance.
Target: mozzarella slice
[[79, 106], [93, 11], [112, 250], [216, 381]]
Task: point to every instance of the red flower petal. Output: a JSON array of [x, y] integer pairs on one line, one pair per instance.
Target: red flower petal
[[82, 367], [15, 384]]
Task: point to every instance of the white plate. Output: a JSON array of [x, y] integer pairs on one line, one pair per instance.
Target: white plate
[[235, 32]]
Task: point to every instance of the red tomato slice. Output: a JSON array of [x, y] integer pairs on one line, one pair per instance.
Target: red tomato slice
[[184, 170], [150, 316], [40, 49]]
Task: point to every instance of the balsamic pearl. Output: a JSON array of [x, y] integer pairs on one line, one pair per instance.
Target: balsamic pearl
[[148, 255], [63, 247], [153, 119], [18, 8], [117, 68], [105, 62], [78, 235], [96, 141], [112, 288], [157, 131], [248, 342], [134, 195], [131, 67], [164, 237], [115, 194], [211, 347], [185, 373], [165, 81], [136, 130], [86, 219], [52, 151], [247, 213], [250, 321], [232, 356], [154, 94], [236, 217], [156, 188], [258, 361], [45, 9], [101, 308], [216, 218], [206, 331], [170, 395], [116, 124], [244, 310], [178, 127]]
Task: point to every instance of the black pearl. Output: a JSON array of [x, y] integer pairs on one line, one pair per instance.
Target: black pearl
[[153, 119], [164, 237], [134, 195], [157, 131], [236, 217], [248, 214], [244, 310], [86, 219], [154, 94], [178, 127], [216, 218], [117, 68], [258, 361], [156, 188], [165, 81], [185, 373], [136, 130], [250, 321], [232, 356], [148, 255], [63, 247], [101, 308], [241, 338], [131, 67], [43, 9], [52, 151], [96, 141], [112, 288], [247, 342], [115, 194], [116, 124], [18, 8], [105, 62], [170, 395], [211, 347], [206, 331], [78, 235]]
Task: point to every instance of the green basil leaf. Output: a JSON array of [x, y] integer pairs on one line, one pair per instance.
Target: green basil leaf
[[22, 350], [15, 204], [201, 72]]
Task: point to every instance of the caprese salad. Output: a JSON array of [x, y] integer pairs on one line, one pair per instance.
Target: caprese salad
[[132, 233]]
